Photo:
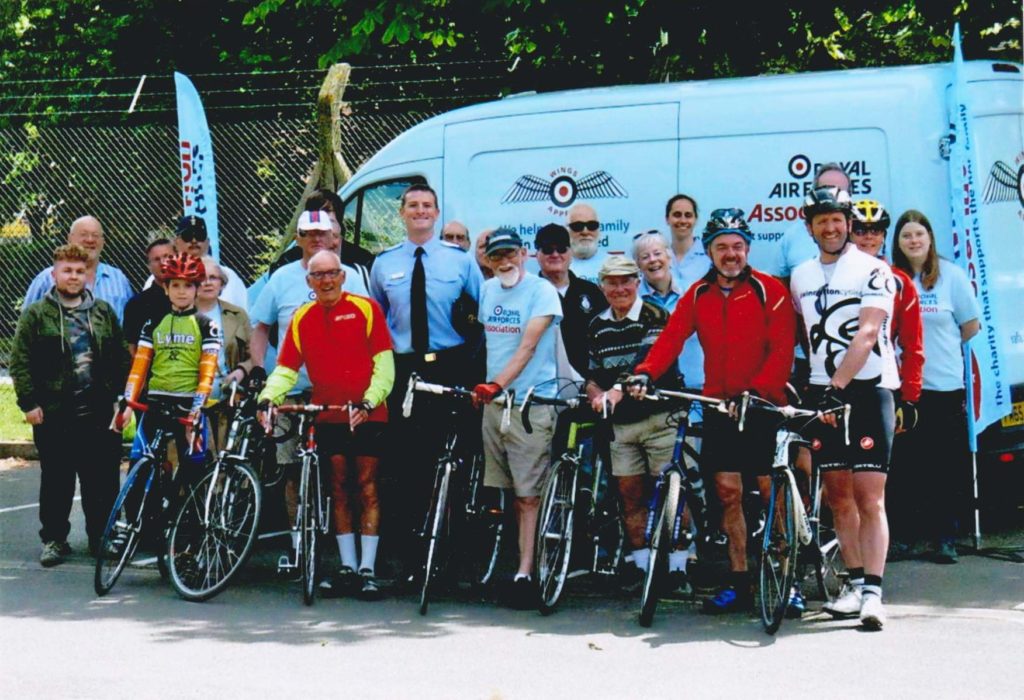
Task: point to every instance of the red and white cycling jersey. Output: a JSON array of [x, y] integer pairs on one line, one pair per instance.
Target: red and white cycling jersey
[[830, 297]]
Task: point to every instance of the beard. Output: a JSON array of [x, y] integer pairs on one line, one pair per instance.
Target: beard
[[508, 278], [584, 249]]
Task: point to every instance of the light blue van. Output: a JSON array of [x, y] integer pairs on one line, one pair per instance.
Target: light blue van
[[754, 143]]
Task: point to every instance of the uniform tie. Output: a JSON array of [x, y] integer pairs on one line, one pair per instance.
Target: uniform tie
[[420, 331]]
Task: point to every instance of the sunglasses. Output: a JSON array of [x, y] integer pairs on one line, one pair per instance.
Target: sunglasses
[[552, 249], [868, 232], [321, 275], [649, 232], [578, 226], [190, 235]]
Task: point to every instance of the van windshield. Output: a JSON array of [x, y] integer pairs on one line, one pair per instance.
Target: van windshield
[[371, 215]]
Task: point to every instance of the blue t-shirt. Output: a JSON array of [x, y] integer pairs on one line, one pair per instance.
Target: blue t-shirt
[[797, 246], [944, 308], [504, 314], [286, 291], [588, 269], [693, 267]]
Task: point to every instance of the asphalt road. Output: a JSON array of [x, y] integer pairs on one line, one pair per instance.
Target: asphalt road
[[953, 631]]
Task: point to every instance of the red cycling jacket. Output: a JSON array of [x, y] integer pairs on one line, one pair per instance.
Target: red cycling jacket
[[908, 332], [747, 336]]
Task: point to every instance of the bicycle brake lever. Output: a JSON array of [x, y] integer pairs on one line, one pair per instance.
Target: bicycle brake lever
[[409, 391], [744, 402], [526, 400], [846, 422], [524, 412], [506, 411]]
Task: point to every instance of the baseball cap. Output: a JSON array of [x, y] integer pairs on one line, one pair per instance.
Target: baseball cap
[[618, 266], [503, 239], [191, 227], [551, 234], [314, 221]]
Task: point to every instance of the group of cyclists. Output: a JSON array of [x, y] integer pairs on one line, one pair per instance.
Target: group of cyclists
[[846, 331]]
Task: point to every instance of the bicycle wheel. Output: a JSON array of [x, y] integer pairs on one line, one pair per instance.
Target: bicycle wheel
[[123, 532], [308, 527], [661, 545], [484, 524], [435, 531], [554, 534], [214, 531], [830, 571], [778, 553]]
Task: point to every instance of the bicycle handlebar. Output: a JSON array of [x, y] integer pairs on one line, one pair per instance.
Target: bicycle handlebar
[[789, 412], [506, 399], [532, 398], [144, 407], [310, 408]]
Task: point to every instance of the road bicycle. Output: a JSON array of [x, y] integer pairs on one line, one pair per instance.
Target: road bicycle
[[458, 493], [216, 525], [143, 504], [787, 525], [575, 504], [679, 486], [313, 510]]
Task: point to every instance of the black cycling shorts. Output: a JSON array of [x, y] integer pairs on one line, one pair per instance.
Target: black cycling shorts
[[872, 425], [726, 449], [337, 439]]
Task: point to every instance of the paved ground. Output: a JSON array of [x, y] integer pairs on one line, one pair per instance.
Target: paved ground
[[954, 631]]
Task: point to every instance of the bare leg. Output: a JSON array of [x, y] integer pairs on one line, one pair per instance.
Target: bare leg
[[839, 490], [369, 521], [339, 492], [526, 518], [729, 486], [634, 508], [869, 494]]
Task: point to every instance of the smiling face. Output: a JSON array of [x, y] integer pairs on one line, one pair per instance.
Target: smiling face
[[87, 234], [213, 284], [507, 265], [681, 219], [554, 259], [831, 231], [870, 241], [69, 277], [419, 213], [729, 254], [313, 241], [584, 228], [620, 291], [914, 241], [653, 261], [325, 277]]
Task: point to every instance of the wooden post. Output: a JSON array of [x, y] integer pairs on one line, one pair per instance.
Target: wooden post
[[330, 171]]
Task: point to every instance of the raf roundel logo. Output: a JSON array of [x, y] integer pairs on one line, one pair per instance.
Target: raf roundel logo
[[799, 166], [866, 443], [498, 310], [563, 191], [815, 444]]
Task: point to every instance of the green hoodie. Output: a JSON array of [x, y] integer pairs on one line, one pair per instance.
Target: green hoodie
[[41, 360]]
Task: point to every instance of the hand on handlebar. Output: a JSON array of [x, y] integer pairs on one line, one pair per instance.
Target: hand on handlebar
[[605, 403], [358, 413], [485, 393], [265, 415], [831, 400], [638, 385]]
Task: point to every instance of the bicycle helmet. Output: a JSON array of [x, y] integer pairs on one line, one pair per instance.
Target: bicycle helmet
[[825, 200], [182, 266], [870, 215], [726, 221]]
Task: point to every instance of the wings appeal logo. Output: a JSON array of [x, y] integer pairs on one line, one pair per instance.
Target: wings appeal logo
[[562, 187], [1005, 185]]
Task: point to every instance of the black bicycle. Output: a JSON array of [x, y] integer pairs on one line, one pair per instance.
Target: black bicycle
[[216, 525], [145, 499], [459, 494], [575, 504]]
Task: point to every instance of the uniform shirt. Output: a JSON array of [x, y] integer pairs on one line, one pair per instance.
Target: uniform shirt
[[830, 301], [110, 285], [691, 359], [337, 345], [286, 291], [505, 314], [449, 271], [588, 269], [944, 308], [797, 246]]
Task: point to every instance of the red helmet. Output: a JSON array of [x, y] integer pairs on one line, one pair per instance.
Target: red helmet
[[182, 266]]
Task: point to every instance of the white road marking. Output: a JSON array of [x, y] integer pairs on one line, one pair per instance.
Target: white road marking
[[27, 506]]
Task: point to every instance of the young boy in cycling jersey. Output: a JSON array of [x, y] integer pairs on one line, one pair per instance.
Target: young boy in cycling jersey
[[176, 358]]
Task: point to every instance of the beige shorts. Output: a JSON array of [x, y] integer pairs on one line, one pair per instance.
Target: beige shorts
[[643, 447], [517, 460]]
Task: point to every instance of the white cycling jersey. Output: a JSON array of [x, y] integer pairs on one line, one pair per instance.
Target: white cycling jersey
[[830, 297]]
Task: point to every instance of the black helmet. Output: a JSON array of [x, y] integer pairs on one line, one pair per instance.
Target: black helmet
[[870, 215], [825, 200], [726, 221]]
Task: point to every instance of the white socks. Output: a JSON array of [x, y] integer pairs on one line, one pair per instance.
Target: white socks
[[677, 560], [368, 545], [641, 557], [347, 550]]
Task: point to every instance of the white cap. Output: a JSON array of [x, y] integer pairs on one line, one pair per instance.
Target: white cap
[[314, 221]]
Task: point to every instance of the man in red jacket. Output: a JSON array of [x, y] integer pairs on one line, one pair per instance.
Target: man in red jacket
[[746, 325]]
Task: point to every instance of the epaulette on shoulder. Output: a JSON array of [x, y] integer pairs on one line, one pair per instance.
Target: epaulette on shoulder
[[396, 246], [454, 246]]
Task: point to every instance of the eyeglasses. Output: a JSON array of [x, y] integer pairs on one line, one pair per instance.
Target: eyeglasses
[[321, 275], [578, 226], [552, 249], [214, 278], [189, 235], [313, 232]]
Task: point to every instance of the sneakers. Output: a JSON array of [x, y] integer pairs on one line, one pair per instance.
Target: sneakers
[[872, 613], [678, 586], [522, 594], [727, 600], [847, 604], [370, 589], [344, 582], [797, 605], [53, 553], [946, 553], [631, 580]]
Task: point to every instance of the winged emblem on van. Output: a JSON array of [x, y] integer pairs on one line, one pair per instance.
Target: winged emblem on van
[[1004, 185], [564, 189]]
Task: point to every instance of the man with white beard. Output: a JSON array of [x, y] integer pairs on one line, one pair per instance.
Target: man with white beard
[[520, 313], [584, 231]]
